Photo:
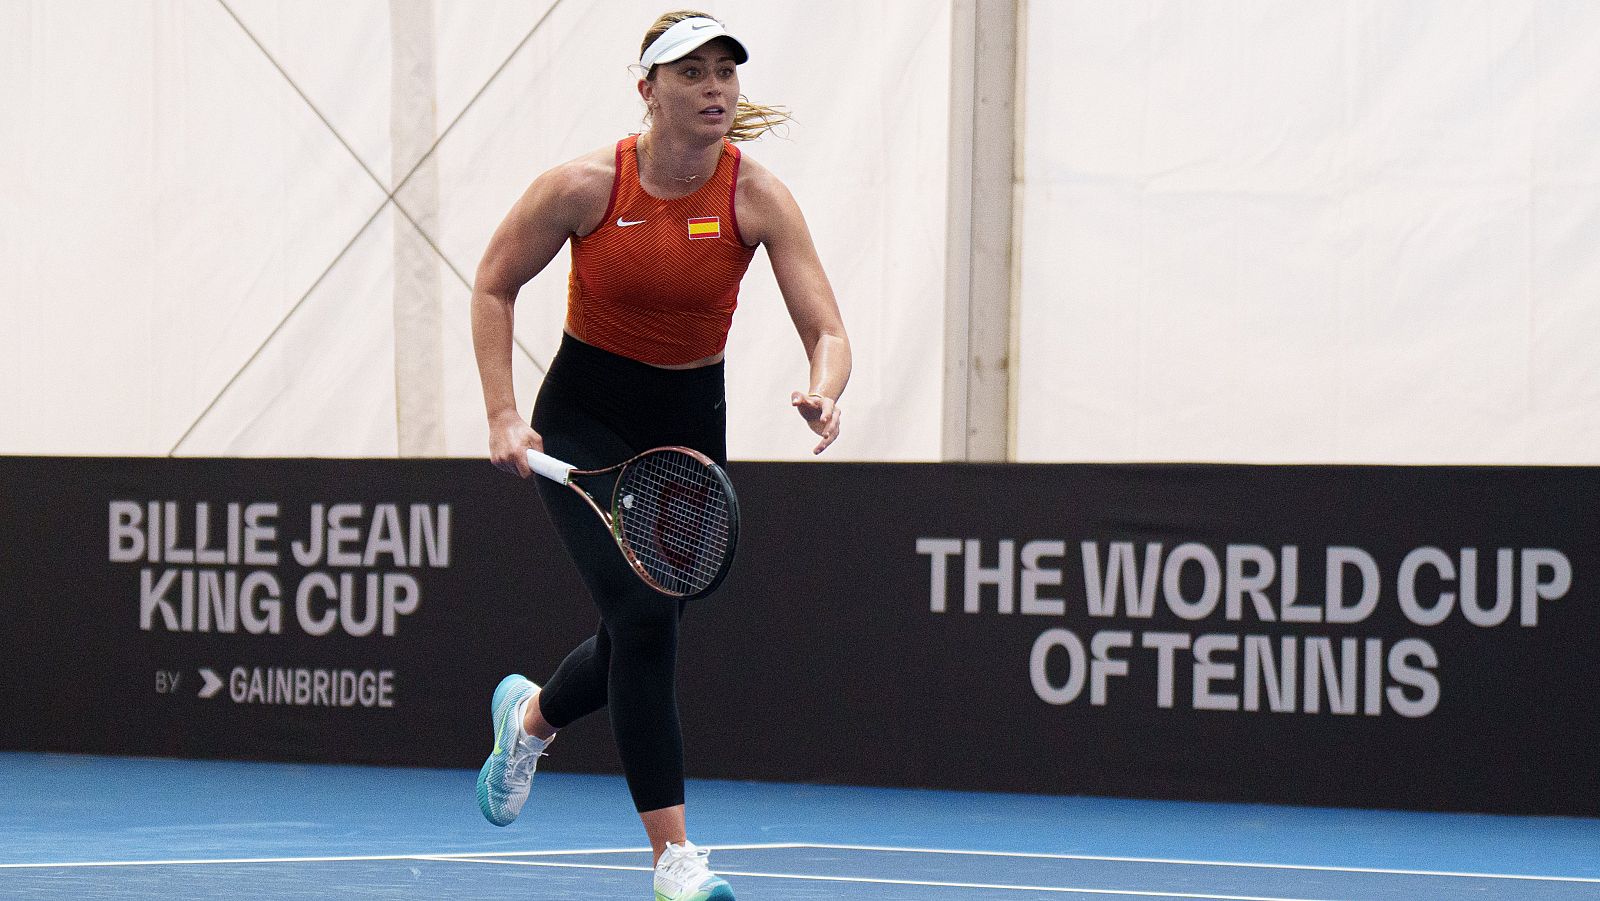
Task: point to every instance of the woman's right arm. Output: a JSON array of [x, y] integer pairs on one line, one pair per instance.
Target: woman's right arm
[[558, 204]]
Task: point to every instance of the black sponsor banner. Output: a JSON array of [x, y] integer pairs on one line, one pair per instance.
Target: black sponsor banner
[[320, 610], [1373, 636]]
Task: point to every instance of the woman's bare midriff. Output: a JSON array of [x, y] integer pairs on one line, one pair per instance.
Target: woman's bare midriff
[[692, 364]]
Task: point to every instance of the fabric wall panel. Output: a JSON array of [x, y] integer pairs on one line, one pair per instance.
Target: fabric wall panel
[[1271, 233]]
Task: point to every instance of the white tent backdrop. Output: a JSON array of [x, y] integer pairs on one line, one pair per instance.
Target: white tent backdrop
[[199, 255], [1247, 230], [1326, 231]]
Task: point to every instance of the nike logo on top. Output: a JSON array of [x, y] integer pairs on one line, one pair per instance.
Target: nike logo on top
[[623, 223], [698, 27]]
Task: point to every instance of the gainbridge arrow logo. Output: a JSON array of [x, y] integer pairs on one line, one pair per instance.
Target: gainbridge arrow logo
[[213, 683]]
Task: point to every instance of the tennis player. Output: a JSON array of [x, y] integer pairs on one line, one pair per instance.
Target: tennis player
[[662, 226]]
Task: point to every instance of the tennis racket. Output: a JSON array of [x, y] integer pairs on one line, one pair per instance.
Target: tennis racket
[[673, 514]]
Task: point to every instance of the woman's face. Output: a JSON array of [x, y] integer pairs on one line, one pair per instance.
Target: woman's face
[[696, 94]]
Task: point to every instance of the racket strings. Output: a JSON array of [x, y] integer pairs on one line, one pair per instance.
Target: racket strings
[[686, 525], [676, 519]]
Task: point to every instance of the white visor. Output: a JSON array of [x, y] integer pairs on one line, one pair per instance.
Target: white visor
[[684, 38]]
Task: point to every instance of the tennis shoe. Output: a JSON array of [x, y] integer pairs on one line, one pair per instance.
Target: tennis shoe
[[504, 780], [682, 874]]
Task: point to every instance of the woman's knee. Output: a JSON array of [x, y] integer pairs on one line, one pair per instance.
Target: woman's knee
[[648, 630]]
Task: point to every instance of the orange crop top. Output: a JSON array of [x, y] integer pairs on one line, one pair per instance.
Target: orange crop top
[[658, 280]]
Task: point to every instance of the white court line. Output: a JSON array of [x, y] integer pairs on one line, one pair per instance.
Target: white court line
[[424, 855], [866, 880], [1210, 863], [470, 855]]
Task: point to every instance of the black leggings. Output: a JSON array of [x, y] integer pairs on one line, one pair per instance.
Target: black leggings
[[597, 409]]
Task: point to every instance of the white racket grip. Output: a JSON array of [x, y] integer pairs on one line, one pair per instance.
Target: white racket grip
[[549, 467]]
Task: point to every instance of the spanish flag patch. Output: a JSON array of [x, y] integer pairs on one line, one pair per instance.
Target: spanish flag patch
[[705, 227]]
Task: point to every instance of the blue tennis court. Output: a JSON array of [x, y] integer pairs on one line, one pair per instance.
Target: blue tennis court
[[79, 826]]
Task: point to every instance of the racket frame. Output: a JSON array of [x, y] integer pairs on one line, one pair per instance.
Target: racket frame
[[564, 473]]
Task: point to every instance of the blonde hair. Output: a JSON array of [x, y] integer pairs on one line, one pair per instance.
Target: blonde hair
[[750, 120]]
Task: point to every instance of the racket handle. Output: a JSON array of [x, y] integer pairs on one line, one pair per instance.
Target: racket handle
[[549, 467]]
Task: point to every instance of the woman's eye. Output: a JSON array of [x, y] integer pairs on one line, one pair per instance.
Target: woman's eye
[[691, 72]]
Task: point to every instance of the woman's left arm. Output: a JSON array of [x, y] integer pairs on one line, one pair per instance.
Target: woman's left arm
[[770, 216]]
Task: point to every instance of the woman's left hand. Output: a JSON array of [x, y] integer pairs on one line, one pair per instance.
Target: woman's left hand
[[821, 414]]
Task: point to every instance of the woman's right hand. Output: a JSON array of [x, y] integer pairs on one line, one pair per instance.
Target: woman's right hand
[[510, 439]]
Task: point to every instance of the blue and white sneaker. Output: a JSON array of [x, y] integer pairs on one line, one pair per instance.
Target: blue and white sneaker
[[504, 780], [682, 874]]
